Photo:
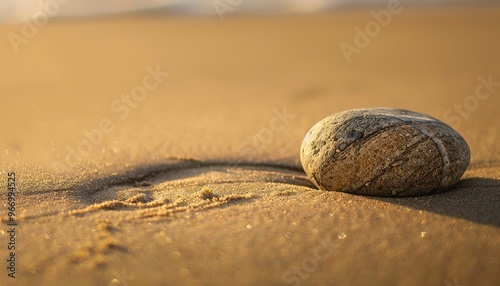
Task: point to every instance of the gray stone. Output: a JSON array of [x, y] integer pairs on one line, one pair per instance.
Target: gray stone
[[384, 152]]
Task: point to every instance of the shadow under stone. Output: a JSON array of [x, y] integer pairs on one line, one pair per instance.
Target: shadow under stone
[[473, 199]]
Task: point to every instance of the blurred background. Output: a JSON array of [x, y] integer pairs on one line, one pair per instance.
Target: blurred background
[[107, 85], [12, 11], [99, 92]]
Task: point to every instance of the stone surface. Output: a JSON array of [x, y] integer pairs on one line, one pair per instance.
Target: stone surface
[[384, 152]]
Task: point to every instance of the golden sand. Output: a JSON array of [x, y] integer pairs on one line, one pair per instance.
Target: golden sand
[[199, 182]]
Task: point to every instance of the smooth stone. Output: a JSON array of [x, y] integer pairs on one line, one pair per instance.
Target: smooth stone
[[384, 152]]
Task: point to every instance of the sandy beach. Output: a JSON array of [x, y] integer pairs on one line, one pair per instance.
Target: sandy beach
[[164, 150]]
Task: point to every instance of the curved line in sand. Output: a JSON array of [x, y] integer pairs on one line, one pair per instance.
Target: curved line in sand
[[142, 173]]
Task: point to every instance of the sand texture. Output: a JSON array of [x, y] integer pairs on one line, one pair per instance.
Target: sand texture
[[197, 179]]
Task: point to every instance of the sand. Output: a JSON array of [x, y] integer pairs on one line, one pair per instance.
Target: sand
[[198, 181]]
